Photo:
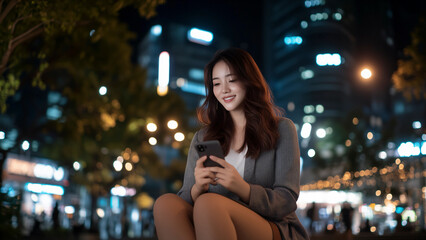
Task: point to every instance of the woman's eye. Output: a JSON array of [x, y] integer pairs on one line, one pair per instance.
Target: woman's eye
[[215, 84]]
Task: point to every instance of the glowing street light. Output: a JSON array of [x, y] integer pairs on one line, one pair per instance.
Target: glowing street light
[[172, 124], [366, 73], [152, 127]]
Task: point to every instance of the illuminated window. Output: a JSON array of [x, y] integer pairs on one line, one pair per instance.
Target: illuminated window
[[156, 30], [307, 74], [328, 59], [293, 40], [200, 36]]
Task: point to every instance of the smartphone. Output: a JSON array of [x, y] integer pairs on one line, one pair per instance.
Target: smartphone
[[210, 148]]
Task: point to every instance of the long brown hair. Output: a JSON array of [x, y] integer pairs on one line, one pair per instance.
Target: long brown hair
[[262, 115]]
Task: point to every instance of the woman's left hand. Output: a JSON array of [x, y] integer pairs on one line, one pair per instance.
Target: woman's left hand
[[230, 179]]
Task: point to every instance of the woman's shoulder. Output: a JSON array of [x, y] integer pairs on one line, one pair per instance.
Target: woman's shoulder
[[285, 123], [199, 135]]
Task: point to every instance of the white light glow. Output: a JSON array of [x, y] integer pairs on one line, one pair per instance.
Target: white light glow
[[117, 165], [103, 90], [156, 30], [152, 141], [163, 69], [152, 127], [321, 133], [44, 188], [304, 24], [306, 130], [383, 155], [200, 36], [307, 74], [366, 73], [311, 152], [100, 212], [417, 125], [319, 108], [76, 165], [59, 173], [43, 171], [179, 136], [69, 210], [2, 135], [25, 145], [330, 197], [128, 166], [328, 59], [172, 124]]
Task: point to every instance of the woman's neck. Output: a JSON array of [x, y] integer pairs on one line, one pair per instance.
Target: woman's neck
[[239, 120]]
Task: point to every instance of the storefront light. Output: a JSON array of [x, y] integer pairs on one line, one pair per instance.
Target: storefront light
[[44, 188]]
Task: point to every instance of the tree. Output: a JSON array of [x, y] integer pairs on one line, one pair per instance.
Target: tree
[[410, 78], [23, 22], [79, 47]]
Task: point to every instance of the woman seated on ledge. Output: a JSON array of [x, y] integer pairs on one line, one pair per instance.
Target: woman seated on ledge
[[254, 195]]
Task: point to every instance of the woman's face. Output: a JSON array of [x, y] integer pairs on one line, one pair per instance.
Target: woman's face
[[227, 88]]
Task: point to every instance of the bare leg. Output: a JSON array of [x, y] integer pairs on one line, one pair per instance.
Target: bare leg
[[218, 217], [173, 218]]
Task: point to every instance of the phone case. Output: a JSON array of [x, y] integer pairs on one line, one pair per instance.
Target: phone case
[[210, 148]]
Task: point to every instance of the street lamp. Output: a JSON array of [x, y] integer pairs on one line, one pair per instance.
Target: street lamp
[[366, 73]]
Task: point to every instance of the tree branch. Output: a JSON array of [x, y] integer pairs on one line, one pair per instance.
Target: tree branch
[[16, 22], [8, 8], [28, 32], [36, 30]]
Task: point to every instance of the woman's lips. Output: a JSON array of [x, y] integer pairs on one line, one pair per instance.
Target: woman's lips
[[228, 99]]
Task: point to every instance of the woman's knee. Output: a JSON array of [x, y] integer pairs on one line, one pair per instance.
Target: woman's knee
[[209, 202], [166, 203]]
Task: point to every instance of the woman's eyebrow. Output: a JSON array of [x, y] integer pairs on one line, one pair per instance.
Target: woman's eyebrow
[[227, 75]]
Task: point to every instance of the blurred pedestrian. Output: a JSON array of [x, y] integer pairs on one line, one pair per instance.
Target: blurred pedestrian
[[312, 214], [55, 216], [346, 216], [253, 195]]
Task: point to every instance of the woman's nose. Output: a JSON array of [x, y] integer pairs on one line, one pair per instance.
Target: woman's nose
[[225, 88]]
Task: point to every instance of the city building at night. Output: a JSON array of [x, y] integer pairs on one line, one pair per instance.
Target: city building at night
[[174, 56]]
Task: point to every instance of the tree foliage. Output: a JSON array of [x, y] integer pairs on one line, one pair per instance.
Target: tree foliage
[[22, 21], [410, 77], [79, 47]]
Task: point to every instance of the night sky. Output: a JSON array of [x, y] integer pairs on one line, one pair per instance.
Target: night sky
[[241, 21]]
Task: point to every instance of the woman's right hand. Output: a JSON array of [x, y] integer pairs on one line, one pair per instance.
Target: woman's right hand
[[203, 177]]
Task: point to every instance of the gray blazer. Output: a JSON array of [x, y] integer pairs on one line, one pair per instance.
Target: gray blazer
[[273, 177]]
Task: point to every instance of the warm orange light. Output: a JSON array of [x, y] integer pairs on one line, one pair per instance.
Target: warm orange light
[[366, 73]]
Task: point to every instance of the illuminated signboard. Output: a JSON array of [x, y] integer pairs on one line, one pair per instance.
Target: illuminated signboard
[[32, 169]]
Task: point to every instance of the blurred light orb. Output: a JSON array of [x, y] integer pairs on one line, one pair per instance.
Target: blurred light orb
[[156, 30], [128, 166], [152, 127], [103, 90], [152, 141], [2, 135], [366, 73], [417, 125], [321, 133], [172, 124], [100, 212], [179, 136], [117, 165], [76, 165], [370, 135], [25, 145], [311, 152]]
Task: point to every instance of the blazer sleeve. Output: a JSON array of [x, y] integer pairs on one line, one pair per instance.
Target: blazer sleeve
[[280, 200], [189, 179]]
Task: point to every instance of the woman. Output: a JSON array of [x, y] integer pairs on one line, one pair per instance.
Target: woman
[[254, 195]]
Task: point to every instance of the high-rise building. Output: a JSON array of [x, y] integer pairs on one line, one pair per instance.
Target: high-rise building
[[175, 55], [309, 63]]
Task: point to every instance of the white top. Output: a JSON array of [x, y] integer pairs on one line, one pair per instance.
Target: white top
[[237, 160]]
